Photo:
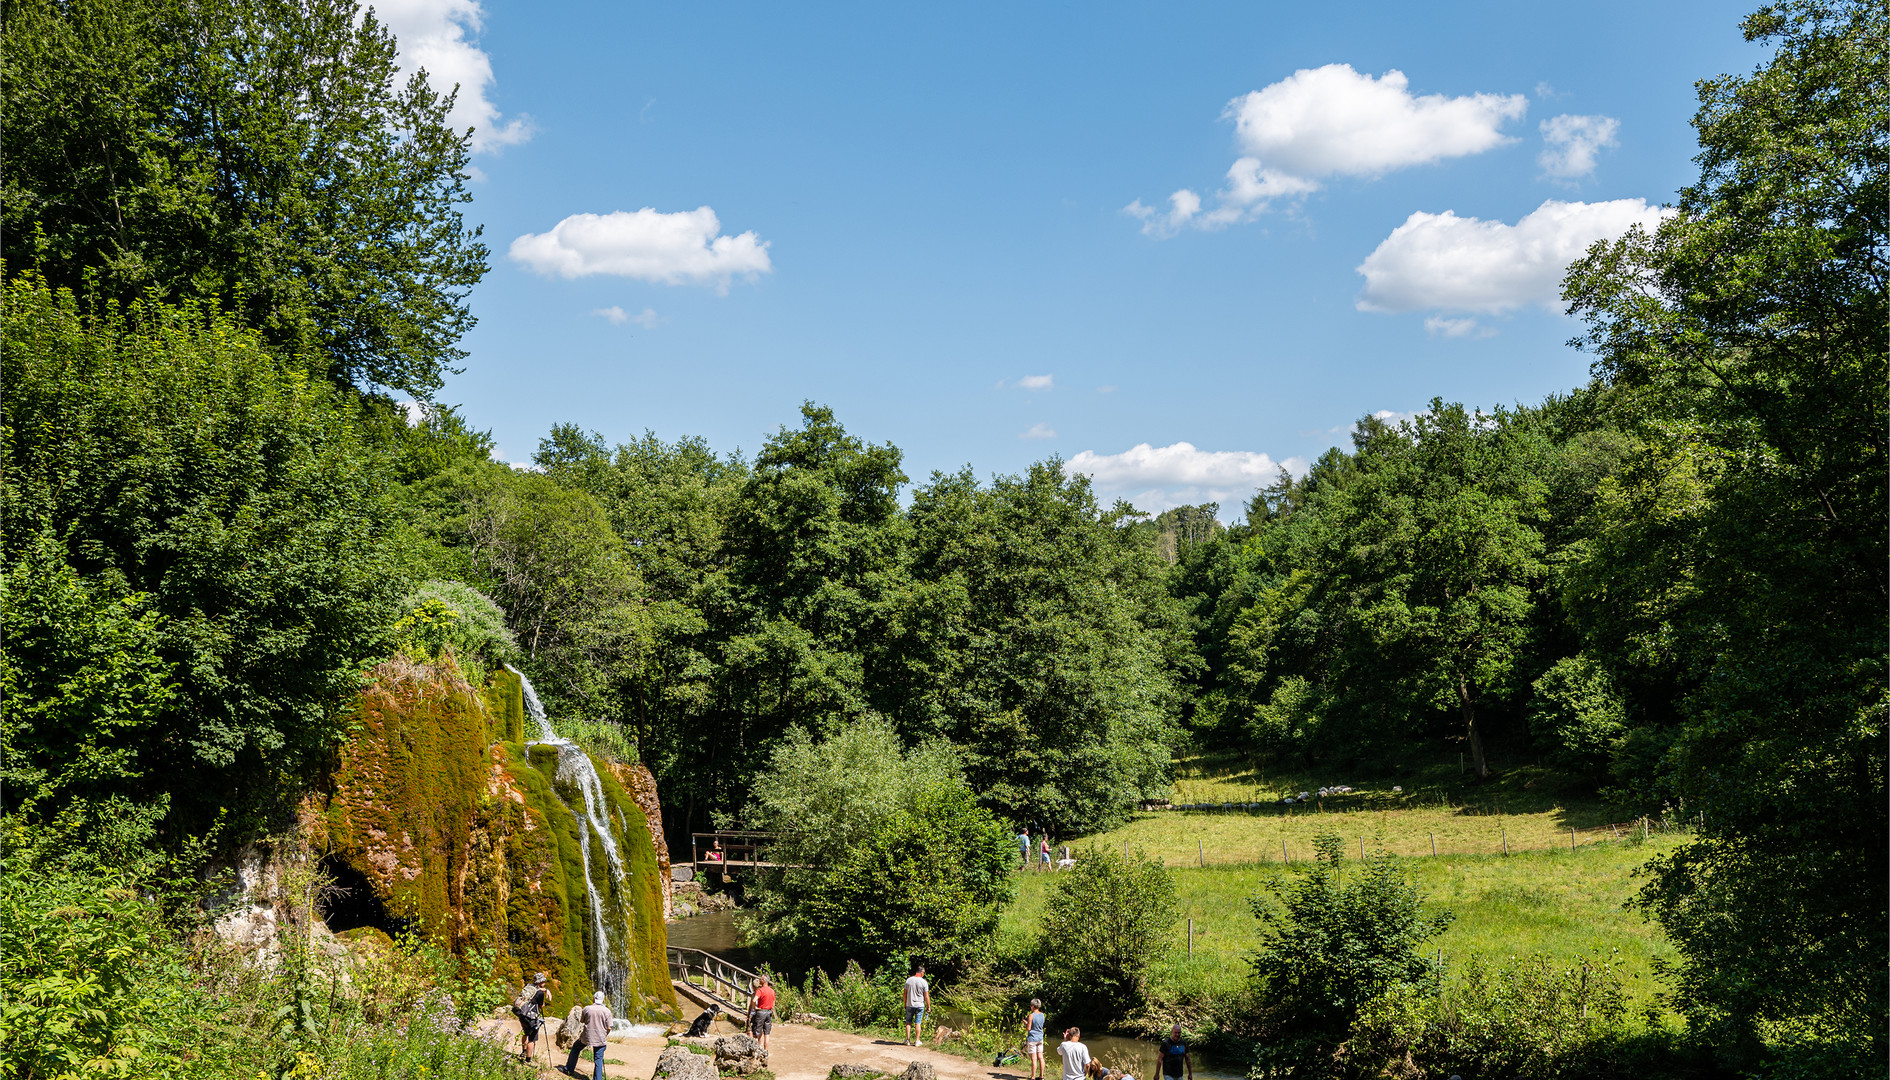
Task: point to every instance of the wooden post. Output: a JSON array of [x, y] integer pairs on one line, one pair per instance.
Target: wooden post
[[1284, 857], [1191, 938], [1505, 841], [1361, 849], [1433, 843], [1571, 839], [1200, 851]]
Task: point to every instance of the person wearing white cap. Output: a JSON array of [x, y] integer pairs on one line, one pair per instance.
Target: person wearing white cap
[[594, 1035]]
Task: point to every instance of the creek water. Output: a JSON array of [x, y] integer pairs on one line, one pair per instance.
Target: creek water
[[715, 932], [606, 889]]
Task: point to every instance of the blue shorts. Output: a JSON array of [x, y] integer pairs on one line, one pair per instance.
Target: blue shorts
[[915, 1014]]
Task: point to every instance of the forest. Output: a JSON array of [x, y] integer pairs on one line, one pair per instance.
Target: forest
[[1666, 588]]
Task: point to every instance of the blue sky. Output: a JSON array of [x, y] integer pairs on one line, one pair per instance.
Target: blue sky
[[916, 216]]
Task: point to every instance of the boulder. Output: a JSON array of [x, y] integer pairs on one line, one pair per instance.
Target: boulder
[[682, 1063], [852, 1071], [682, 873], [920, 1070], [740, 1054]]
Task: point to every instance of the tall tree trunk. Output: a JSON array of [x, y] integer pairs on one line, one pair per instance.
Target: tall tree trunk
[[1470, 725]]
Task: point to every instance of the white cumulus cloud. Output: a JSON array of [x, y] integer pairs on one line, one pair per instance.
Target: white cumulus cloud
[[1333, 121], [1451, 263], [440, 36], [674, 249], [1037, 382], [1157, 478], [617, 316], [1571, 144], [1038, 431]]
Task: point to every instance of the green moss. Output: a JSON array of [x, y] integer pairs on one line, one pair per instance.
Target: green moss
[[505, 703], [470, 841]]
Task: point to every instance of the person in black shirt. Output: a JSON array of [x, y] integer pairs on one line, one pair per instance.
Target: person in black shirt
[[1174, 1054]]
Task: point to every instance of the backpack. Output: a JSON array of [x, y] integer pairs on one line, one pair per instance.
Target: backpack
[[527, 996]]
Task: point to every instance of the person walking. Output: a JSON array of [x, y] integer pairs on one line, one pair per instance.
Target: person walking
[[529, 1007], [1033, 1038], [1174, 1056], [1074, 1054], [918, 999], [1023, 848], [761, 1012], [1044, 853], [594, 1034]]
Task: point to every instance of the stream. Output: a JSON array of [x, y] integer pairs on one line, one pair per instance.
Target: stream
[[715, 932]]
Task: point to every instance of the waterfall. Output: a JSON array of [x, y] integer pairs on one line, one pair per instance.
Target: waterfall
[[611, 937]]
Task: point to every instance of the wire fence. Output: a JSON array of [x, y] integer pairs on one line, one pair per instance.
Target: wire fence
[[1293, 841]]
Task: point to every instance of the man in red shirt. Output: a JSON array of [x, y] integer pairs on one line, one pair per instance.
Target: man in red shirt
[[761, 1012]]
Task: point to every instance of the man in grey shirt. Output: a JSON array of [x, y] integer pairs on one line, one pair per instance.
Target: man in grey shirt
[[594, 1034], [1074, 1054]]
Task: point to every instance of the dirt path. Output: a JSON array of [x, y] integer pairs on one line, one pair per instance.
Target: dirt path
[[796, 1052]]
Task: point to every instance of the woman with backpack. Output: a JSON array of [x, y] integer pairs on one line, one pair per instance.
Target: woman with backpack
[[529, 1007]]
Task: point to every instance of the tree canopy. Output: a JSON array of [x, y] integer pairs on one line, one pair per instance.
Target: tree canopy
[[258, 154]]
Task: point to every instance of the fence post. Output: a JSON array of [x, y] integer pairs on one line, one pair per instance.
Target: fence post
[[1505, 841], [1433, 843], [1200, 850], [1361, 849], [1571, 839], [1284, 857]]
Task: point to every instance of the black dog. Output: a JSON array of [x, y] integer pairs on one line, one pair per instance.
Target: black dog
[[701, 1025]]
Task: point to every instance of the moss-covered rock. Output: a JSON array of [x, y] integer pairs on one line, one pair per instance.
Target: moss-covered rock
[[462, 832]]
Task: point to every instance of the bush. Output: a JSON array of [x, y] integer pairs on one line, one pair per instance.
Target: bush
[[856, 999], [890, 853], [1330, 948], [1528, 1019], [1106, 923], [452, 616]]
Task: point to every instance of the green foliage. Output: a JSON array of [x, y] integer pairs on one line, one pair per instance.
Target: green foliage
[[1528, 1018], [178, 463], [258, 155], [855, 998], [91, 977], [547, 555], [1016, 619], [1105, 924], [1331, 947], [1037, 636], [888, 853], [452, 616], [81, 682], [1738, 562], [1578, 712]]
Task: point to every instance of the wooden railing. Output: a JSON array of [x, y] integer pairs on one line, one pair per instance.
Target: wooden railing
[[729, 986], [730, 848]]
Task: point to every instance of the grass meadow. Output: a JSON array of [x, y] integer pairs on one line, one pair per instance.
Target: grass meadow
[[1566, 904]]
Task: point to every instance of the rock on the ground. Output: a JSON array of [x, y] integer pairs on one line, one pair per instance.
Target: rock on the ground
[[807, 1018], [853, 1071], [740, 1054], [682, 1063], [920, 1070]]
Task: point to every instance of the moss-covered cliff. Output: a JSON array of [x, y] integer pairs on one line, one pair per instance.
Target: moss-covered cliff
[[465, 833]]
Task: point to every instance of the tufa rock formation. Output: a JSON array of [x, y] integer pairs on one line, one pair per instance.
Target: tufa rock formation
[[440, 819]]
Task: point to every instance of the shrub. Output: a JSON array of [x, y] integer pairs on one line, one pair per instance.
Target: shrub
[[891, 853], [856, 999], [1329, 948], [1104, 926], [443, 616]]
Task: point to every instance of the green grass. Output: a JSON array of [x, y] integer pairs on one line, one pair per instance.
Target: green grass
[[1436, 809], [1568, 905]]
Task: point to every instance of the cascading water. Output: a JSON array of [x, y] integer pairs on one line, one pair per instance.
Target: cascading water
[[610, 920]]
